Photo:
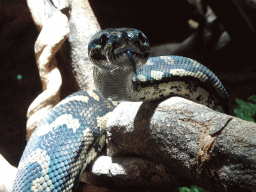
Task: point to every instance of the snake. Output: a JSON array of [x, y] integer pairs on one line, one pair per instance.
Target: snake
[[74, 131]]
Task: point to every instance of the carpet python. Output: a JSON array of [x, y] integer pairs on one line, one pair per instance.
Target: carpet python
[[74, 131]]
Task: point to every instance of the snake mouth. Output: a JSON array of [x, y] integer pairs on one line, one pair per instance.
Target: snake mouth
[[131, 55], [127, 58]]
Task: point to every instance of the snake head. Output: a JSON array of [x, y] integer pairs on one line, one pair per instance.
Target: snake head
[[124, 49]]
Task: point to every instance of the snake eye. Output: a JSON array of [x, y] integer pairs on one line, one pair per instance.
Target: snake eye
[[103, 39]]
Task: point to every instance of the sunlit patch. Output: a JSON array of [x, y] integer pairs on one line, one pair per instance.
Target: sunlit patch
[[168, 59], [39, 156], [142, 78], [93, 152], [93, 95], [150, 63], [157, 75], [61, 120], [87, 113], [87, 133], [75, 98], [177, 72], [102, 121], [183, 73]]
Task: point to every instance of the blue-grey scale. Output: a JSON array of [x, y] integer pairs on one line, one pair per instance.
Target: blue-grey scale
[[73, 132]]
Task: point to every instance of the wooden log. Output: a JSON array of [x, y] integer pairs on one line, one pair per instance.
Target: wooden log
[[211, 149]]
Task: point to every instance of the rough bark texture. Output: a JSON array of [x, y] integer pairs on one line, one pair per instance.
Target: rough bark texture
[[214, 150], [123, 172], [7, 175], [83, 25], [57, 28]]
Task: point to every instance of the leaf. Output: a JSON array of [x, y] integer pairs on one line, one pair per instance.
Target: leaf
[[252, 98], [184, 189], [245, 105], [245, 110], [240, 102], [239, 112], [194, 188], [248, 119]]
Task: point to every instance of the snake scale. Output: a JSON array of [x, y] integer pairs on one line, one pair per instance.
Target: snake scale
[[74, 131]]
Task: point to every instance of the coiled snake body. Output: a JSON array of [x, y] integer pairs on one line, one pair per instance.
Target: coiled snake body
[[74, 131]]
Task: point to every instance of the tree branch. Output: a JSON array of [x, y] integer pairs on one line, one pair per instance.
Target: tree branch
[[208, 148]]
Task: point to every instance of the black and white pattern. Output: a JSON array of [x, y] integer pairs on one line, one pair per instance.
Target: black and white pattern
[[69, 137]]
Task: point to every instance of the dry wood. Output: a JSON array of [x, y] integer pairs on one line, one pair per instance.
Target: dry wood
[[208, 148]]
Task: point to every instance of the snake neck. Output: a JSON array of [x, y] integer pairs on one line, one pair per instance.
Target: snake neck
[[156, 80], [115, 85]]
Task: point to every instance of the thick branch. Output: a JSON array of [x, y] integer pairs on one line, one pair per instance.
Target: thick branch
[[213, 150], [54, 31], [83, 26]]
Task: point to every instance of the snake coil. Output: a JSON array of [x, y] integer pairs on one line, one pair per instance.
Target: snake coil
[[74, 131]]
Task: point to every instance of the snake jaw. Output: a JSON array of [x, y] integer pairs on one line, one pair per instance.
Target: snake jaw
[[126, 61], [132, 51]]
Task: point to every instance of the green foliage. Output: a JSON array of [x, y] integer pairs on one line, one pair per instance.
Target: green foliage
[[194, 188], [246, 110]]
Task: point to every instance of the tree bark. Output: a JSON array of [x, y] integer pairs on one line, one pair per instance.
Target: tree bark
[[211, 149]]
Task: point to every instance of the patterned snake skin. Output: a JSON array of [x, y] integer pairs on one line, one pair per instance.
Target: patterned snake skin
[[74, 131]]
